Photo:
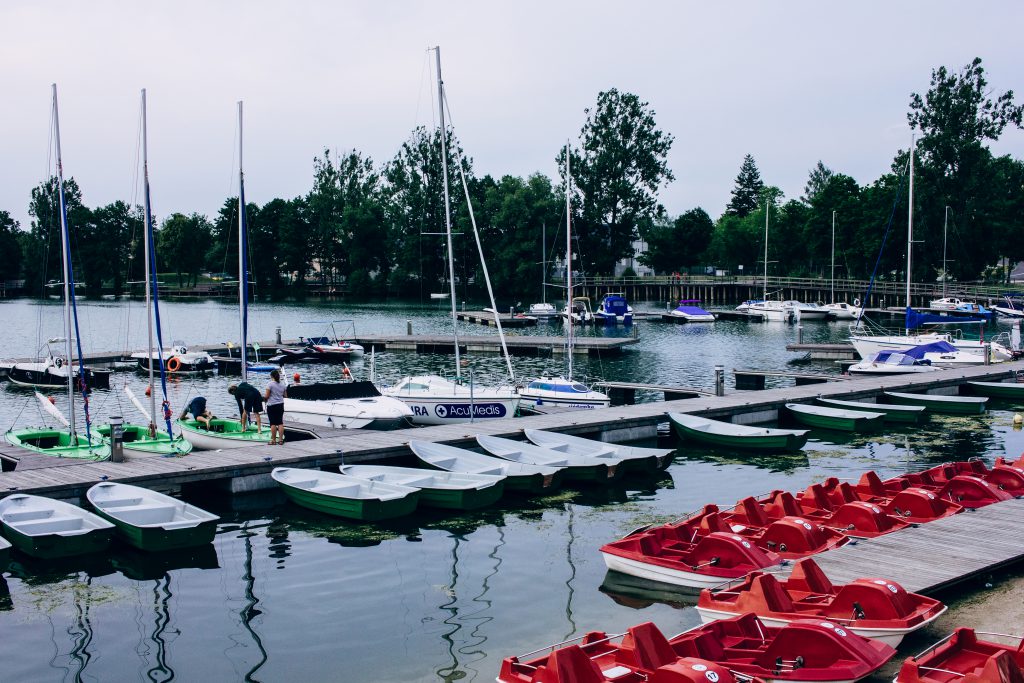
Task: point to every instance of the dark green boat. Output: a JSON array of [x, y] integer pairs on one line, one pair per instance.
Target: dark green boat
[[940, 403], [836, 419], [728, 435], [1013, 391], [49, 529], [891, 411], [344, 496], [149, 520]]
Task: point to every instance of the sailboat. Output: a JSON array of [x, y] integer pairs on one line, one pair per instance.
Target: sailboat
[[869, 345], [564, 391], [232, 433], [544, 310], [437, 400], [64, 443], [142, 441], [771, 310], [840, 310]]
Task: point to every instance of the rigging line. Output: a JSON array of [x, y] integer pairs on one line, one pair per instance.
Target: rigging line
[[881, 249]]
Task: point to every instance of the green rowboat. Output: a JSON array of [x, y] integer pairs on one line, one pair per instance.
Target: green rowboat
[[48, 528], [149, 520], [448, 490], [5, 553], [939, 403], [728, 435], [1005, 390], [139, 444], [59, 444], [222, 434], [837, 419], [892, 412], [344, 496]]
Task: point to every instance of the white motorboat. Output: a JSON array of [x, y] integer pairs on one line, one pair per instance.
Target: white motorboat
[[581, 313], [804, 311], [435, 400], [689, 311], [869, 345], [843, 311], [1013, 308], [772, 311], [563, 392], [544, 311], [948, 303], [891, 362], [745, 306], [345, 405], [178, 360], [614, 309]]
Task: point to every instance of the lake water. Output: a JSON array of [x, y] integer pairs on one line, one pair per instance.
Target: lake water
[[285, 594]]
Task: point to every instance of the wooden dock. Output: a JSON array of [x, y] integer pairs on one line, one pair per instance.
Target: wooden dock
[[826, 351], [518, 345], [936, 555], [247, 469], [625, 392], [487, 318], [755, 379]]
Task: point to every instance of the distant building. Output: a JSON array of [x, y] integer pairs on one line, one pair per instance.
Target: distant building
[[1017, 274], [639, 248]]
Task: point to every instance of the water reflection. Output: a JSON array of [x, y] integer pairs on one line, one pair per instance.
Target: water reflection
[[154, 566], [160, 671], [637, 593], [249, 611]]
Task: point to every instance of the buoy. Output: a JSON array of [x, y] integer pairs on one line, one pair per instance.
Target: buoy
[[296, 378], [149, 391]]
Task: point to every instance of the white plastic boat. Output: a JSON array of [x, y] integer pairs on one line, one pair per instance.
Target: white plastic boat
[[345, 496], [452, 490], [633, 456], [579, 467], [150, 520], [345, 405], [563, 392], [435, 400], [868, 345], [843, 311], [804, 311], [543, 311], [532, 478], [48, 528]]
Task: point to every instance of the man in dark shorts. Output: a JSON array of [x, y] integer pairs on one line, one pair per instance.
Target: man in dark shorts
[[250, 402], [197, 407]]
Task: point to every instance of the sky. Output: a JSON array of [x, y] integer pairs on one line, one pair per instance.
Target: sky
[[791, 83]]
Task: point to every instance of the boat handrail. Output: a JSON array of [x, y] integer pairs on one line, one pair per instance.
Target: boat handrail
[[552, 647], [983, 633]]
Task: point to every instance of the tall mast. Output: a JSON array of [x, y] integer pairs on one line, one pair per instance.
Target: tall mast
[[447, 212], [833, 300], [65, 264], [766, 248], [910, 224], [243, 274], [568, 260], [544, 262], [149, 248], [945, 224]]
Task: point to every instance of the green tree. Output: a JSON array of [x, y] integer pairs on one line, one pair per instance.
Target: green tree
[[746, 193], [679, 244], [817, 180], [10, 247], [617, 172], [180, 243], [42, 257], [105, 246]]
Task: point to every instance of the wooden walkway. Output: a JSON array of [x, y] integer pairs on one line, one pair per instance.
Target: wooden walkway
[[518, 345], [615, 424], [826, 351], [487, 318], [935, 555]]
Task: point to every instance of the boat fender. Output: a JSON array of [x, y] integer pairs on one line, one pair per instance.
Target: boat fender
[[173, 365], [58, 362], [856, 303]]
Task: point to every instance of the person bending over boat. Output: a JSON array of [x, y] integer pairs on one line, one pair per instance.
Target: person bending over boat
[[275, 396], [200, 412], [250, 403]]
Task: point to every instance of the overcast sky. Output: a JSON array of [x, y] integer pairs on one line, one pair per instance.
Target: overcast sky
[[789, 82]]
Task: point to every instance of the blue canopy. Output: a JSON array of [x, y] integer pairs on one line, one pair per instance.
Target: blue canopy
[[915, 320], [935, 347]]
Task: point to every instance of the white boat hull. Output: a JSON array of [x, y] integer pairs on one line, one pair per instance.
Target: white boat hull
[[653, 572], [709, 318], [443, 410], [211, 441], [889, 636], [867, 346], [382, 412]]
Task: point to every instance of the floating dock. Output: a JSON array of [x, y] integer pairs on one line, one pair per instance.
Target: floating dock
[[248, 468], [518, 345], [487, 318], [826, 351]]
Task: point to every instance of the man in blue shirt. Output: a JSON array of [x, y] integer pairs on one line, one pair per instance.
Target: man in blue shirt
[[250, 402], [197, 407]]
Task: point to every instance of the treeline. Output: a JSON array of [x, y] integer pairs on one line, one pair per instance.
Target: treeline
[[376, 229]]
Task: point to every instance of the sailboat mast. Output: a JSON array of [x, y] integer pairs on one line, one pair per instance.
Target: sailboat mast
[[833, 300], [65, 264], [568, 261], [910, 225], [447, 212], [243, 274], [149, 248], [544, 262], [945, 225], [765, 294]]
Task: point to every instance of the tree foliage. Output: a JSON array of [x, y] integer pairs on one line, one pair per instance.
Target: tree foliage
[[746, 193]]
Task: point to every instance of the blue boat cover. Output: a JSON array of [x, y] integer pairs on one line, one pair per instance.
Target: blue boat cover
[[915, 320], [614, 304], [935, 347]]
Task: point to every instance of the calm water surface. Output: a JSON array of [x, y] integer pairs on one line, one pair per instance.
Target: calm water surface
[[286, 594]]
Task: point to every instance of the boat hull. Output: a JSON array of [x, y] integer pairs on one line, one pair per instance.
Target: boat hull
[[52, 442], [138, 443], [445, 410], [1004, 390], [892, 413], [57, 545], [653, 572], [220, 435], [366, 510], [867, 422], [462, 499], [158, 539], [762, 442], [940, 404]]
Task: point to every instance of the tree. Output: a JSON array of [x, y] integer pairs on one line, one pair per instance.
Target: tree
[[179, 246], [746, 194], [105, 246], [678, 244], [617, 173], [10, 247], [817, 180], [42, 258]]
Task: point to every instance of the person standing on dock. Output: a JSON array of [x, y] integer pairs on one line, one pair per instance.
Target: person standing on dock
[[275, 395], [250, 402]]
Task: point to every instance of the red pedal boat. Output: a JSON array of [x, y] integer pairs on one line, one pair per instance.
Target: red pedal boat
[[1019, 462], [789, 533], [965, 490], [911, 504], [859, 518], [1008, 478], [962, 658], [739, 649], [663, 554], [870, 607]]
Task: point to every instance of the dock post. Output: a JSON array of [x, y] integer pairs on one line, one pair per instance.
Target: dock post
[[719, 380], [408, 327], [277, 335], [116, 438], [799, 334], [988, 353]]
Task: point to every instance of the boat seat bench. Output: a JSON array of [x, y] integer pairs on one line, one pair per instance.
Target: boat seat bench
[[50, 525], [114, 503], [27, 515]]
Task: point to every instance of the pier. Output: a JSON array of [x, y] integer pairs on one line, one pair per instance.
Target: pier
[[825, 351], [518, 345], [247, 469], [487, 318]]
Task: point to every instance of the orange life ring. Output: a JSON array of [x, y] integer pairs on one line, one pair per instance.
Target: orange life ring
[[173, 365]]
